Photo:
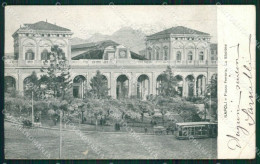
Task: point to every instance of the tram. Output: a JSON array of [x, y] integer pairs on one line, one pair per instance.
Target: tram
[[191, 130]]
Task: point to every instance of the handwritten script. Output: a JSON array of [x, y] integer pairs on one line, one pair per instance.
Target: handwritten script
[[244, 112]]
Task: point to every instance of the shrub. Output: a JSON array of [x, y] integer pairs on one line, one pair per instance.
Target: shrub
[[27, 123]]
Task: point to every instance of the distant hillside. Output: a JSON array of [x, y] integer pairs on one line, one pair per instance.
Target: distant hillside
[[77, 40], [133, 39]]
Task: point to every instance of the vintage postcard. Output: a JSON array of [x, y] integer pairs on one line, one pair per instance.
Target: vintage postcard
[[130, 82]]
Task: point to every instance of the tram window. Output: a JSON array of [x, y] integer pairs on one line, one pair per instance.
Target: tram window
[[192, 130], [197, 130], [185, 131], [203, 130]]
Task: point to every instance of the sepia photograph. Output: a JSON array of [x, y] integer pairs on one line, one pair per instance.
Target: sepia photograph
[[111, 82]]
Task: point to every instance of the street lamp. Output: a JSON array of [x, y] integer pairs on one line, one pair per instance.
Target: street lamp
[[32, 109], [60, 152], [209, 94]]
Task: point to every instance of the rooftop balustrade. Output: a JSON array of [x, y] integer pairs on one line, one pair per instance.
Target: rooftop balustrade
[[24, 63]]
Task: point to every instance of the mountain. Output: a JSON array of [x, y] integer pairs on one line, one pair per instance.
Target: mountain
[[133, 39], [77, 40], [97, 37]]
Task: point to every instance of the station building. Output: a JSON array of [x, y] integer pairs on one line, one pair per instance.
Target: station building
[[189, 53]]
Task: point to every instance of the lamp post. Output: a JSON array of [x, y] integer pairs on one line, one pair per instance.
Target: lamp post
[[60, 154], [60, 134], [209, 94], [32, 109]]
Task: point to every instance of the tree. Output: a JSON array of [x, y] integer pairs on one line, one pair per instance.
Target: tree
[[80, 107], [56, 81], [211, 98], [144, 107], [189, 112], [99, 86], [32, 85], [168, 83], [214, 107], [41, 107], [16, 104], [162, 104], [212, 88], [53, 115]]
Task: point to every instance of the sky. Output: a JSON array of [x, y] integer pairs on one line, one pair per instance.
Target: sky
[[85, 21]]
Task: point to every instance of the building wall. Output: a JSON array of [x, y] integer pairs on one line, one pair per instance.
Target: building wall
[[37, 43], [184, 45], [112, 72], [113, 68]]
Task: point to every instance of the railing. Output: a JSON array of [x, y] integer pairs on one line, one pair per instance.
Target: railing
[[11, 63], [141, 62], [115, 62], [8, 61], [29, 61], [91, 62]]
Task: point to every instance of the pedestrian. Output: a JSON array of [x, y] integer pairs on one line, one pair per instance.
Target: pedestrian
[[145, 129], [167, 130], [115, 126], [118, 126], [172, 130]]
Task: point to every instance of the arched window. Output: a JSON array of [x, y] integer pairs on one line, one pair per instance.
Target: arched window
[[190, 56], [178, 56], [44, 55], [165, 57], [201, 56], [29, 55]]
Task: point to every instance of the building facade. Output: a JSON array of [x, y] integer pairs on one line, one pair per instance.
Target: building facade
[[186, 51]]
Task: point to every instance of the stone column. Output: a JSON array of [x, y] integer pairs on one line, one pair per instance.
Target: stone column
[[161, 52], [183, 55], [195, 56], [20, 50], [195, 87], [203, 85], [113, 85], [184, 88], [133, 85], [109, 83], [37, 53], [19, 82], [153, 84], [88, 80], [69, 52]]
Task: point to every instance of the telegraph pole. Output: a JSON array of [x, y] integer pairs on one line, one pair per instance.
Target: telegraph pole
[[209, 94], [60, 133], [32, 109], [210, 102]]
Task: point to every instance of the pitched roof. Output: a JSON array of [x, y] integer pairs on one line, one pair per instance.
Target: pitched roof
[[179, 30], [44, 26], [95, 50], [100, 44]]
